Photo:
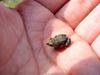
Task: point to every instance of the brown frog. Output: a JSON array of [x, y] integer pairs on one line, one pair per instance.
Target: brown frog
[[59, 41]]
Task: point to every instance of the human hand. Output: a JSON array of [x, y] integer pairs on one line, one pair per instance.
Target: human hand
[[23, 36]]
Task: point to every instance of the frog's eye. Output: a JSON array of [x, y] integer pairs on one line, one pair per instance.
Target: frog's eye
[[11, 3]]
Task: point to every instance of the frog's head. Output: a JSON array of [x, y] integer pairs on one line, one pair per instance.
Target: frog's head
[[50, 42]]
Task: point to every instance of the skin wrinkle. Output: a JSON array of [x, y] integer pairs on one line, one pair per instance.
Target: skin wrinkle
[[42, 5], [15, 30], [13, 51], [43, 41], [22, 66], [31, 43], [60, 8], [14, 48], [67, 10], [43, 38], [94, 49], [61, 18], [41, 31], [89, 24], [28, 39], [53, 10], [95, 53], [44, 46], [45, 49]]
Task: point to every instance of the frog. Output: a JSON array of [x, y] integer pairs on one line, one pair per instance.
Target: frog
[[59, 41]]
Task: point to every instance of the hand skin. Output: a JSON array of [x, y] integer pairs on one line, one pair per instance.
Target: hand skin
[[24, 32]]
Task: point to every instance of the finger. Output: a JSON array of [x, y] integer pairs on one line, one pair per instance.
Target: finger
[[52, 5], [89, 28], [76, 10], [11, 28], [96, 46], [78, 59]]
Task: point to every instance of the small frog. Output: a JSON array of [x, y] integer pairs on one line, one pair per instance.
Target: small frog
[[11, 3], [59, 41]]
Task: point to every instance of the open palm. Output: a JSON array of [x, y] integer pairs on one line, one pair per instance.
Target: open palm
[[24, 33]]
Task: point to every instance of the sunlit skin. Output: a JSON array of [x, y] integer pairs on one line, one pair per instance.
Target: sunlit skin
[[24, 33]]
